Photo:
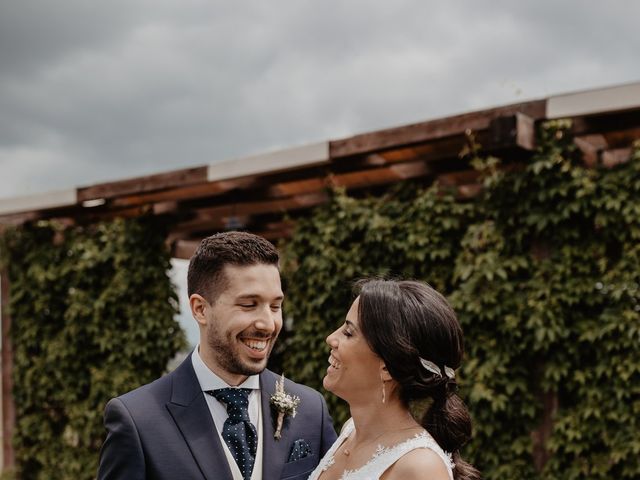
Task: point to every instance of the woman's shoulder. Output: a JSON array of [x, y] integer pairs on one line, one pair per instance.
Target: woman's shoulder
[[418, 464]]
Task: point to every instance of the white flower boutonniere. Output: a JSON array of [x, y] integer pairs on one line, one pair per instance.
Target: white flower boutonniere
[[284, 404]]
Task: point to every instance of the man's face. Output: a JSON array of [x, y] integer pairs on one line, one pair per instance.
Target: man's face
[[243, 323]]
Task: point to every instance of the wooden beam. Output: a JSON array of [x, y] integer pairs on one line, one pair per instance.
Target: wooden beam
[[614, 157], [469, 191], [404, 171], [209, 189], [431, 130], [184, 249], [463, 177], [509, 131], [18, 218], [8, 406], [622, 138], [590, 146], [297, 187], [177, 178], [218, 218], [274, 235]]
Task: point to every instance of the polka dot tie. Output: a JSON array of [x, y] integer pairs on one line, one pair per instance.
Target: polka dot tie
[[238, 432]]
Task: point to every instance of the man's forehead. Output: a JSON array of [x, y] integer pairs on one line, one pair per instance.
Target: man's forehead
[[257, 279]]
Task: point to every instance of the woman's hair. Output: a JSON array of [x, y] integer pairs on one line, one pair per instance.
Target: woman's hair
[[407, 324]]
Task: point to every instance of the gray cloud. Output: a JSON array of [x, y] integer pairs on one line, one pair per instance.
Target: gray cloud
[[94, 92]]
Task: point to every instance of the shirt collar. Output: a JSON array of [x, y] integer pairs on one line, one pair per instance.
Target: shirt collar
[[210, 381]]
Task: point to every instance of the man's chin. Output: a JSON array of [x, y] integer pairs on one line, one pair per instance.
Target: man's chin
[[255, 366]]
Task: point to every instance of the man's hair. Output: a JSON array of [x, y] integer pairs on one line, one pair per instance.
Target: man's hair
[[206, 267]]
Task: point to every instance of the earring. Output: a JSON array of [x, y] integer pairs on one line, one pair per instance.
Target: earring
[[384, 393]]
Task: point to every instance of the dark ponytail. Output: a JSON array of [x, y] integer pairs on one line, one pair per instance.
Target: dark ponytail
[[449, 423], [404, 322]]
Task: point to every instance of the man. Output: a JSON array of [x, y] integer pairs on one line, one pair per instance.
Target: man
[[212, 418]]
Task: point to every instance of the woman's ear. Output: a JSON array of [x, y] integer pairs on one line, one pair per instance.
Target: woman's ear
[[385, 376]]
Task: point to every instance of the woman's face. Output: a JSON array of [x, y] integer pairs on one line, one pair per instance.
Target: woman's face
[[354, 369]]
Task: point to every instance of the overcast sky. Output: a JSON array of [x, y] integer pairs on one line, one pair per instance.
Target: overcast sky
[[96, 91]]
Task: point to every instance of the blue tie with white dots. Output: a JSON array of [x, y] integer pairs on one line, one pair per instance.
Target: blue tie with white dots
[[238, 432]]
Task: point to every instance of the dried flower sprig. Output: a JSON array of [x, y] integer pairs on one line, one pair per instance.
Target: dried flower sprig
[[285, 404]]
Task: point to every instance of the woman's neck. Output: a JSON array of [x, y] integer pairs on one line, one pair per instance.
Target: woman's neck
[[371, 421]]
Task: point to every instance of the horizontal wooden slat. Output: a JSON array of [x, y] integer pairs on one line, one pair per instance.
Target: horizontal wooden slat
[[297, 187], [621, 138], [358, 179], [219, 217], [177, 178], [209, 189], [434, 129]]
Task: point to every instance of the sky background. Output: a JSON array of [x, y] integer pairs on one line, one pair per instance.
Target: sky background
[[99, 91]]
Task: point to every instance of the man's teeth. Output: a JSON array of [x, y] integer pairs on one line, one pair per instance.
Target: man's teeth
[[255, 344], [334, 363]]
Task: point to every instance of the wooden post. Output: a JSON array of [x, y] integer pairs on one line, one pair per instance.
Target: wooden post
[[8, 407]]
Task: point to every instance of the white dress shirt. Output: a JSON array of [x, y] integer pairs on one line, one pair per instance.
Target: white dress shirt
[[210, 381]]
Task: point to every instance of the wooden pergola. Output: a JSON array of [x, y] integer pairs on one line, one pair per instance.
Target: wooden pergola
[[266, 193]]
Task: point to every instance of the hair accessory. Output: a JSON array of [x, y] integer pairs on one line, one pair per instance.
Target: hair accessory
[[449, 372], [433, 368]]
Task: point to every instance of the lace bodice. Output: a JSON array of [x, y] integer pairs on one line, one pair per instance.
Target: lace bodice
[[383, 458]]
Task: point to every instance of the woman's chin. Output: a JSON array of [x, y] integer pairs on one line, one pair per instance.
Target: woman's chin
[[327, 384]]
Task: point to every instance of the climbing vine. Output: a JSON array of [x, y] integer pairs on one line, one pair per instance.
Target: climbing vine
[[543, 268], [92, 317]]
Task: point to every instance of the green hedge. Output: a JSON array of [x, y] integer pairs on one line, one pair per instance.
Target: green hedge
[[543, 269], [93, 317]]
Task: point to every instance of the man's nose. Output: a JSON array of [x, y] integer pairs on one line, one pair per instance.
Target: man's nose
[[267, 320]]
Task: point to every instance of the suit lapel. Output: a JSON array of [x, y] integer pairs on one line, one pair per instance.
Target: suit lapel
[[189, 410], [274, 452]]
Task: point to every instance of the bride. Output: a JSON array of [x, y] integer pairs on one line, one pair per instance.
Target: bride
[[400, 342]]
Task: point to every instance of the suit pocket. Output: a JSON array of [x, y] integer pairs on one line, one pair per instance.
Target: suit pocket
[[300, 468]]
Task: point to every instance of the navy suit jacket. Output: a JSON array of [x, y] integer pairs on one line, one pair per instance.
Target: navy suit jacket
[[164, 431]]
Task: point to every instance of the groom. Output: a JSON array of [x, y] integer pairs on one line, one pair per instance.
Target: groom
[[211, 418]]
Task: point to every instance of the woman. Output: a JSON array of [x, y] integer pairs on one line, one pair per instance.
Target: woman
[[400, 342]]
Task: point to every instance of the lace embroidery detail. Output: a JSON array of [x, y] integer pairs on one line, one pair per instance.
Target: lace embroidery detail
[[383, 457], [330, 461]]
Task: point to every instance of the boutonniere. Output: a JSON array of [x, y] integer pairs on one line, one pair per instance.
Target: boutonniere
[[284, 404]]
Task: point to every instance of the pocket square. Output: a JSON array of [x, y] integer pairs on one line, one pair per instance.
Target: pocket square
[[299, 449]]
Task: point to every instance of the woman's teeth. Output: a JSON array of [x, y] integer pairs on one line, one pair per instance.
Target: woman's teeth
[[334, 363]]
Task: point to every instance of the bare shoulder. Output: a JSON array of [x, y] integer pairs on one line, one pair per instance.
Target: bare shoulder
[[418, 464]]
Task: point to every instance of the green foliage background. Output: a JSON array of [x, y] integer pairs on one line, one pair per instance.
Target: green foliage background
[[93, 317], [543, 269]]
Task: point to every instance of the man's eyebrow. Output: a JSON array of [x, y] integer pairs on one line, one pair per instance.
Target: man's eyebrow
[[253, 296]]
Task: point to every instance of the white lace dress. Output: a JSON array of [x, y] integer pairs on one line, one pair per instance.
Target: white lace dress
[[383, 458]]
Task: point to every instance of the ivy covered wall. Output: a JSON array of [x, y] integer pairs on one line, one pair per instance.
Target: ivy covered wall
[[543, 269], [92, 317]]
